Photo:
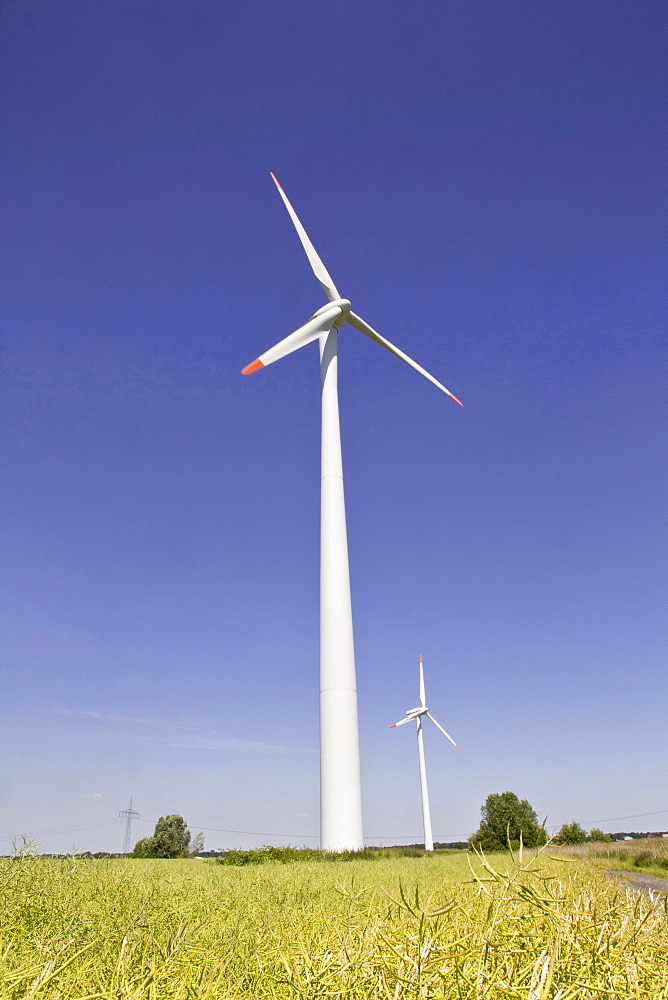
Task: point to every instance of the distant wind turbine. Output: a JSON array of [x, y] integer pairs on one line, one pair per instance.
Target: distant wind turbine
[[417, 713], [340, 788]]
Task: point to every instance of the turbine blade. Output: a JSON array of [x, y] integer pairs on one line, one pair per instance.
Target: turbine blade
[[439, 726], [315, 327], [368, 331], [319, 269], [422, 695], [401, 722]]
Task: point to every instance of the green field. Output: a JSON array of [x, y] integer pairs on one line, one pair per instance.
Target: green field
[[391, 928], [650, 856]]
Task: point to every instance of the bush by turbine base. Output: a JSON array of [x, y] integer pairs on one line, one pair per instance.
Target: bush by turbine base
[[285, 855]]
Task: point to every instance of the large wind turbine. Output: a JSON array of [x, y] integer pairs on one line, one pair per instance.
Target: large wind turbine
[[417, 713], [340, 791]]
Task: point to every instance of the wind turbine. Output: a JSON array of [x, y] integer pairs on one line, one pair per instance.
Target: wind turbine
[[340, 789], [417, 713]]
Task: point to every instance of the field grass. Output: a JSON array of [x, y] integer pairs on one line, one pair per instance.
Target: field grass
[[388, 929], [649, 856]]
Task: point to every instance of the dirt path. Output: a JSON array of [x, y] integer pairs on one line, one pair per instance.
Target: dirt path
[[642, 883]]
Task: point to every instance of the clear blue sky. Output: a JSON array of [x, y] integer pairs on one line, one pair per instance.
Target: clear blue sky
[[486, 183]]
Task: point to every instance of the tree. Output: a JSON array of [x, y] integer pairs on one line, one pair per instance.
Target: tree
[[571, 833], [196, 845], [504, 817], [171, 839], [598, 835]]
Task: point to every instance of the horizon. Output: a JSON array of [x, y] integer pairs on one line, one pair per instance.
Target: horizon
[[194, 828]]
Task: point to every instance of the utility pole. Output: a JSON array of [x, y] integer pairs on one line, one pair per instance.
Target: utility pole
[[129, 814]]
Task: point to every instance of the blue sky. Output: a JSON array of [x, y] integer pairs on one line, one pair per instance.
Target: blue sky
[[486, 183]]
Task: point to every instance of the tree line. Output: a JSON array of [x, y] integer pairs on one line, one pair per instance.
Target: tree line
[[505, 819]]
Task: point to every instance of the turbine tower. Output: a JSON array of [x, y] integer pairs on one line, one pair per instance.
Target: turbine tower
[[129, 814], [340, 788], [417, 713]]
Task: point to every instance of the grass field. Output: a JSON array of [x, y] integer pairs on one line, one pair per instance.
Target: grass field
[[650, 856], [391, 928]]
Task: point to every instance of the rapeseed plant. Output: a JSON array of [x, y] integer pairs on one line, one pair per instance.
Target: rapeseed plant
[[437, 928]]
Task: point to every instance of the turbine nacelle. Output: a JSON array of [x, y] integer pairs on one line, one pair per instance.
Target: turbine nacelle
[[417, 713]]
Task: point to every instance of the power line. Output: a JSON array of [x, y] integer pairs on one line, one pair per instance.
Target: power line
[[263, 833], [388, 836], [63, 829], [614, 819], [307, 836], [249, 833]]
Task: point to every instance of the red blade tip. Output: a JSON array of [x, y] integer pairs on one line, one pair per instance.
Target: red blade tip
[[394, 726], [254, 367], [458, 748], [273, 177], [453, 397]]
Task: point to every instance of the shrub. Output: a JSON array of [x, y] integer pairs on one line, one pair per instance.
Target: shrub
[[598, 836], [144, 848], [571, 833], [285, 855]]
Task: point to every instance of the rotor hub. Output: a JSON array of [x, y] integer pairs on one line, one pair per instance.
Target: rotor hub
[[343, 305]]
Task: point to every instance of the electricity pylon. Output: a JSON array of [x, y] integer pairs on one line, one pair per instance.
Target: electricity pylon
[[129, 814]]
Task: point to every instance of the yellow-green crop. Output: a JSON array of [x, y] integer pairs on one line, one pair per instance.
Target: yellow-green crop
[[396, 928]]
